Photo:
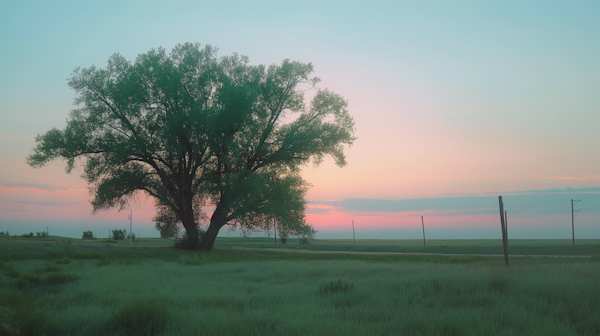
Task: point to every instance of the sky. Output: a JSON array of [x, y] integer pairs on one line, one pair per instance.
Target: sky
[[455, 103]]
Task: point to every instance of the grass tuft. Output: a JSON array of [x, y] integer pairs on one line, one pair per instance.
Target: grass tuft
[[140, 318], [90, 255], [462, 259], [63, 260], [331, 286], [59, 278]]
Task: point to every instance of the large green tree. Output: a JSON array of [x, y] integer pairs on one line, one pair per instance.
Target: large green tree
[[190, 128]]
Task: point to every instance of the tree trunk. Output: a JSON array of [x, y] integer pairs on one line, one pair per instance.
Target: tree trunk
[[193, 241], [217, 221], [186, 215], [208, 241]]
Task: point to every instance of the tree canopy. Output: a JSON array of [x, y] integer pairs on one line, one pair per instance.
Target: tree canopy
[[192, 129]]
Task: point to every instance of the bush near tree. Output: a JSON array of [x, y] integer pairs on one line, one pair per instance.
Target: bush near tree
[[88, 235], [119, 234]]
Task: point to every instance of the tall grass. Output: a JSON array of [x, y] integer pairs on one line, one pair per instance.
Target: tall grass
[[261, 292]]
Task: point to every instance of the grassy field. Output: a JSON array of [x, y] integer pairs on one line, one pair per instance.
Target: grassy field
[[61, 286]]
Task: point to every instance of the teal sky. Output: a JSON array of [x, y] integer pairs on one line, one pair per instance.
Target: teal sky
[[450, 98]]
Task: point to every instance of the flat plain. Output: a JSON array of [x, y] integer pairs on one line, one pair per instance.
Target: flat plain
[[251, 286]]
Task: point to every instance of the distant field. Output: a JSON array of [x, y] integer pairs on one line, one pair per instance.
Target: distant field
[[550, 247], [582, 247], [62, 286]]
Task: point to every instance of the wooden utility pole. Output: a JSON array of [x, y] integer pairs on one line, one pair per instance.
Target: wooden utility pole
[[423, 223], [506, 224], [573, 218], [275, 230], [353, 235], [503, 225]]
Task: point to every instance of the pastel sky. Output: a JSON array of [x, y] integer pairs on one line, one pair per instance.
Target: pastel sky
[[455, 103]]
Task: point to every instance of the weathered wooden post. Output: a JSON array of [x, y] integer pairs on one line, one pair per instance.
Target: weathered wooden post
[[502, 223], [506, 224]]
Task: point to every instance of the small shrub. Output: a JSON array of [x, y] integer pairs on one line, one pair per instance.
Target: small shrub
[[283, 240], [132, 236], [59, 278], [7, 323], [50, 268], [13, 273], [19, 316], [18, 256], [330, 286], [26, 280], [303, 241], [87, 235], [595, 257], [42, 234], [139, 319], [90, 255], [27, 235], [183, 242], [63, 260]]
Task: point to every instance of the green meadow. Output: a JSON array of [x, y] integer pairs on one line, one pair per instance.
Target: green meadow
[[251, 286]]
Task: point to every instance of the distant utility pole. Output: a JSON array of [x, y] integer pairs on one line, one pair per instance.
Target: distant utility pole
[[573, 214], [130, 224], [423, 223], [353, 235], [503, 224]]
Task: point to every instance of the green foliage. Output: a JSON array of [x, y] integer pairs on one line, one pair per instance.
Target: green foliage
[[56, 254], [110, 241], [59, 278], [63, 260], [27, 235], [119, 234], [595, 257], [103, 262], [140, 318], [191, 129], [13, 273], [90, 255], [303, 241], [20, 316], [42, 234], [184, 242], [331, 286], [7, 323], [19, 256], [26, 280], [87, 235]]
